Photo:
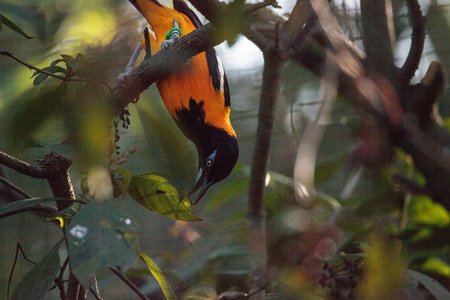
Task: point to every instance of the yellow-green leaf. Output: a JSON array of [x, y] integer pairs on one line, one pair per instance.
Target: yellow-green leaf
[[163, 283], [155, 193]]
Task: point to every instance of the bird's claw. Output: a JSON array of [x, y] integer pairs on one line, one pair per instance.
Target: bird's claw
[[122, 78]]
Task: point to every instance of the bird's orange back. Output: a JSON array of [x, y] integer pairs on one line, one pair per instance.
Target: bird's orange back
[[192, 81]]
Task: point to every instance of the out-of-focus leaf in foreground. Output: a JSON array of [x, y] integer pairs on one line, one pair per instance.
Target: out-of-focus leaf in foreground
[[101, 235]]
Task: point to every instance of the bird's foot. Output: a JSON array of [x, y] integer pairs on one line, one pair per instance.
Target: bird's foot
[[122, 78], [171, 36]]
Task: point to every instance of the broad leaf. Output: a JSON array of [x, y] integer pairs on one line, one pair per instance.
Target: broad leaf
[[39, 280], [165, 286], [155, 193], [101, 235], [431, 285]]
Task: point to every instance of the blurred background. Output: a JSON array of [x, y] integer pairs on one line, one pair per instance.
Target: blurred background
[[347, 200]]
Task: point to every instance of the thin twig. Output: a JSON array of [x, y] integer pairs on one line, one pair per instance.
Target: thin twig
[[59, 281], [18, 248], [129, 283], [96, 293], [31, 67], [14, 187]]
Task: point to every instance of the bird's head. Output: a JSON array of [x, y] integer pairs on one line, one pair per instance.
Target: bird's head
[[217, 158]]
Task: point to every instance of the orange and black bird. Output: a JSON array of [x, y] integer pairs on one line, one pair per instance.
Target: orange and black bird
[[197, 96]]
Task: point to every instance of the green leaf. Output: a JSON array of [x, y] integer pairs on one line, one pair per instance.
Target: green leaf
[[36, 283], [424, 211], [101, 235], [39, 79], [20, 204], [126, 175], [165, 286], [431, 285], [436, 265], [153, 192], [7, 22], [30, 14], [65, 215]]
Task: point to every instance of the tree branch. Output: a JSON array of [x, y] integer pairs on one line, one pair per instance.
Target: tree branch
[[21, 166], [378, 36], [417, 43]]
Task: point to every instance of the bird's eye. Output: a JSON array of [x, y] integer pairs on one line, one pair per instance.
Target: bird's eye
[[210, 159]]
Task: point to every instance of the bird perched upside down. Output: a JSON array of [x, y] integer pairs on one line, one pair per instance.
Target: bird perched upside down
[[196, 96]]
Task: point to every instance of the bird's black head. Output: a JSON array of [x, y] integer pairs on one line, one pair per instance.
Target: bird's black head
[[218, 152]]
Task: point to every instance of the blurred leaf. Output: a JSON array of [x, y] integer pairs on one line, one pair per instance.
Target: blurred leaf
[[229, 191], [383, 269], [20, 204], [165, 286], [325, 171], [431, 285], [101, 235], [203, 293], [436, 265], [424, 211], [7, 22], [29, 113], [172, 144], [155, 193], [36, 283], [30, 14]]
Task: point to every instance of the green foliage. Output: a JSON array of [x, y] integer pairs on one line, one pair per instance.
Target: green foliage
[[27, 13], [36, 284], [155, 193], [101, 235], [156, 272], [424, 211]]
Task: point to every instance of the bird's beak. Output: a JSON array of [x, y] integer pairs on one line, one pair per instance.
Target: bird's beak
[[202, 183]]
